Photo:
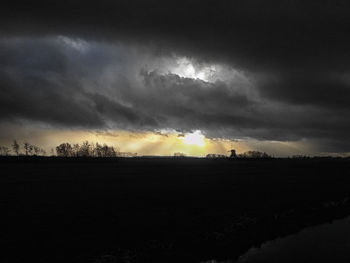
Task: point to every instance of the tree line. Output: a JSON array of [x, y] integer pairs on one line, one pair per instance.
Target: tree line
[[27, 149], [254, 155], [245, 155], [86, 149]]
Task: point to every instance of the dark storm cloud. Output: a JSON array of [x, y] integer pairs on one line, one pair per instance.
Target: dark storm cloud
[[67, 83], [41, 80], [254, 33], [309, 88], [41, 100], [296, 54], [295, 41], [33, 86], [49, 82]]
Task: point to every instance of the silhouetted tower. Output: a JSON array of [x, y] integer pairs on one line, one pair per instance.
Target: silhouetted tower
[[233, 153]]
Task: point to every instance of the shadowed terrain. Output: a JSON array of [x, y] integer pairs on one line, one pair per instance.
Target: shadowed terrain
[[161, 209]]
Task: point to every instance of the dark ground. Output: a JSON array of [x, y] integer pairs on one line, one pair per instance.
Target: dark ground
[[161, 209]]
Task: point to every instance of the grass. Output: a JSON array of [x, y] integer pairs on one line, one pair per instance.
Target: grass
[[161, 209]]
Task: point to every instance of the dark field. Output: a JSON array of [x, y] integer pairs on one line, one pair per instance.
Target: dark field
[[161, 209]]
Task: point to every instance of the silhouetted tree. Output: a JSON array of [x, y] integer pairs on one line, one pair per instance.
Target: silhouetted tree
[[15, 147], [26, 146], [104, 151], [108, 151], [64, 150], [254, 154], [98, 150], [4, 151], [76, 149], [31, 149], [85, 149], [38, 150], [179, 154], [215, 155]]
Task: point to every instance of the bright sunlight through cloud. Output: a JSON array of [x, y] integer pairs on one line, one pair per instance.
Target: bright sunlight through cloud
[[195, 138], [185, 68]]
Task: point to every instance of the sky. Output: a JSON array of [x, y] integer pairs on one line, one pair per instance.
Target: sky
[[158, 77]]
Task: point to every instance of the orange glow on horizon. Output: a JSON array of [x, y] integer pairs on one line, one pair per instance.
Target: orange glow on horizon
[[164, 143], [142, 143]]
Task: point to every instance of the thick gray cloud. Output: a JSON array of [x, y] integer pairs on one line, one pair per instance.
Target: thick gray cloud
[[291, 56], [261, 34], [67, 82]]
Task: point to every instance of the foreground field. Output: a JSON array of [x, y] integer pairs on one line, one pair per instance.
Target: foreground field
[[159, 209]]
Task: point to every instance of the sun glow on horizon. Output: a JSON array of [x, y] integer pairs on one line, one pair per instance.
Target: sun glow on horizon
[[195, 138], [161, 143], [158, 143]]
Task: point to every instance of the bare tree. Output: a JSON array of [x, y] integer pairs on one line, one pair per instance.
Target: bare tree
[[42, 152], [76, 148], [31, 149], [4, 151], [15, 147], [64, 150], [85, 149], [97, 151], [106, 151], [111, 152], [103, 150], [38, 151], [26, 146]]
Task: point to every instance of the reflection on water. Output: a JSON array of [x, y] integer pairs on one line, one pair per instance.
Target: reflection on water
[[323, 243]]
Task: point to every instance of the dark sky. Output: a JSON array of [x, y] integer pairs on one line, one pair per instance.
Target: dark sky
[[265, 70]]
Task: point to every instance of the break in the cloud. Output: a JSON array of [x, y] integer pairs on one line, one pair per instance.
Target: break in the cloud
[[259, 70]]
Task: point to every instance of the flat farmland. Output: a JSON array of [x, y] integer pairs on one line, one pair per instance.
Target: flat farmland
[[161, 209]]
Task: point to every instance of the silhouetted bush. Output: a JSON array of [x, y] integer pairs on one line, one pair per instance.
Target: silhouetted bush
[[254, 155], [215, 155], [179, 154]]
